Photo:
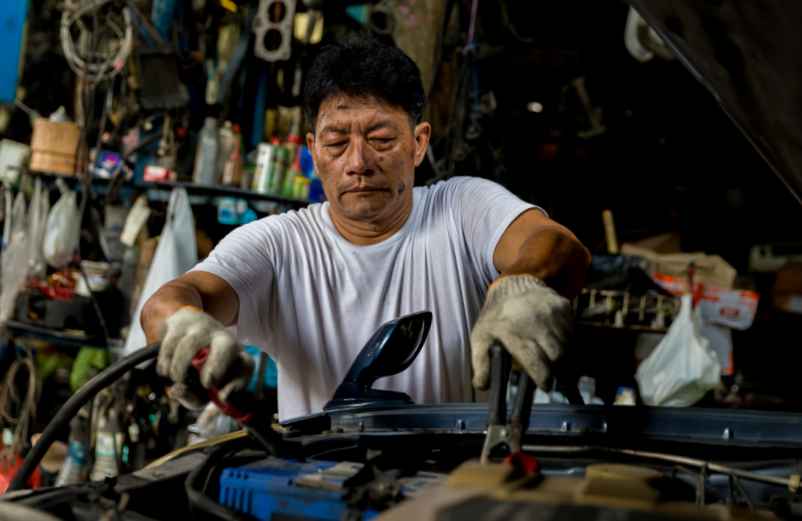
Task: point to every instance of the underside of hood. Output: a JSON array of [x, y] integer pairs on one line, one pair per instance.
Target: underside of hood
[[749, 55]]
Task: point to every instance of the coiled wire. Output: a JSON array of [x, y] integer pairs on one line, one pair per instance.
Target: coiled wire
[[110, 54]]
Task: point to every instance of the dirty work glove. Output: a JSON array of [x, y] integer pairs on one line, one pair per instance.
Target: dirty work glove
[[529, 319], [227, 367]]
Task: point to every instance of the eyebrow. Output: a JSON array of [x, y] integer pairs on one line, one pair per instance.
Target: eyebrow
[[337, 129]]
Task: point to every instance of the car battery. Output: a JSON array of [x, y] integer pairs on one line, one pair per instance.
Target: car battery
[[276, 488]]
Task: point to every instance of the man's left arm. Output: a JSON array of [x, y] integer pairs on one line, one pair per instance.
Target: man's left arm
[[527, 309]]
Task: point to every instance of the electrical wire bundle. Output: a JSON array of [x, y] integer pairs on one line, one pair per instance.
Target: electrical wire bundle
[[112, 41]]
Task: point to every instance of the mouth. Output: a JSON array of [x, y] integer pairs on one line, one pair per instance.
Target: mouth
[[365, 190]]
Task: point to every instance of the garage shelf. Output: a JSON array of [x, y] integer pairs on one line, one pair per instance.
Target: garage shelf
[[191, 188], [63, 338]]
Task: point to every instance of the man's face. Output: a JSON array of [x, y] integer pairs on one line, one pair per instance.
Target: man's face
[[365, 153]]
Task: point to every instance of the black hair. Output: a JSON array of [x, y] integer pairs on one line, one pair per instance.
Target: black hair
[[364, 67]]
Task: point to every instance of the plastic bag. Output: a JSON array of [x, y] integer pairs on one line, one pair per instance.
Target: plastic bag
[[63, 229], [683, 367], [14, 259], [175, 255], [37, 225]]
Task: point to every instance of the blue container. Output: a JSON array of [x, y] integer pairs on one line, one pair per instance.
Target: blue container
[[267, 490], [12, 18]]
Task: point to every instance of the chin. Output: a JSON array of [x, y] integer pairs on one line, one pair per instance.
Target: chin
[[364, 214]]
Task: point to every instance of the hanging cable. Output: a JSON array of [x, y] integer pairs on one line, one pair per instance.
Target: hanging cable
[[472, 24], [108, 56], [16, 410]]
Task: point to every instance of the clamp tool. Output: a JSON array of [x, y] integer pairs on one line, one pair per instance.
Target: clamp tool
[[504, 436]]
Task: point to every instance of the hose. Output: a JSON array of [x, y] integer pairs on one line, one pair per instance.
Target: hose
[[62, 418], [9, 398]]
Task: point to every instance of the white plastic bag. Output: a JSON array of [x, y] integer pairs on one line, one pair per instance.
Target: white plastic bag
[[175, 255], [14, 259], [682, 368], [63, 229], [37, 226]]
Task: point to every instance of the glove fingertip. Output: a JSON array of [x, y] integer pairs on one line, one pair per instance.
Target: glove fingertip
[[230, 388], [480, 380], [185, 397], [207, 377], [544, 382], [161, 366]]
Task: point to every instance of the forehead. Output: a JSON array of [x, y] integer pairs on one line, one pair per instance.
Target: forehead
[[344, 110]]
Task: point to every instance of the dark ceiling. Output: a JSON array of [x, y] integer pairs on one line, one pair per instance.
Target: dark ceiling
[[669, 159]]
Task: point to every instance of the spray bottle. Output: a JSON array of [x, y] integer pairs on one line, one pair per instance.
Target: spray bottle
[[76, 467]]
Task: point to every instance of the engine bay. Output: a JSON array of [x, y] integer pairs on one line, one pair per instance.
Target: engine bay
[[436, 475]]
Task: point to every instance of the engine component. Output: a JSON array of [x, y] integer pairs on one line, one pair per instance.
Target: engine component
[[275, 488]]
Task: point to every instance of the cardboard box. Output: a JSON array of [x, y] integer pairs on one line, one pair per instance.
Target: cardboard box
[[54, 146], [710, 270]]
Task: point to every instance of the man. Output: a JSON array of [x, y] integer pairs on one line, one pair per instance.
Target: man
[[311, 286]]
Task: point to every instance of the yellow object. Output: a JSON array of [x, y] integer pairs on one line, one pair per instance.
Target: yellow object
[[609, 232], [301, 26], [211, 442], [229, 5]]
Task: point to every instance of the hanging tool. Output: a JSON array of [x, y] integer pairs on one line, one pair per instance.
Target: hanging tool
[[504, 435]]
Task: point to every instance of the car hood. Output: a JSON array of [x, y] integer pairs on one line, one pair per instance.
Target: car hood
[[747, 54]]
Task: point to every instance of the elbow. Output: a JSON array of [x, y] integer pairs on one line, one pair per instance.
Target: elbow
[[148, 317], [575, 260]]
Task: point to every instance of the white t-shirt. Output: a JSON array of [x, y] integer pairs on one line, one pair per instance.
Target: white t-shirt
[[311, 299]]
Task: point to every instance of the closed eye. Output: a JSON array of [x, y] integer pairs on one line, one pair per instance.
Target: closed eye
[[381, 141]]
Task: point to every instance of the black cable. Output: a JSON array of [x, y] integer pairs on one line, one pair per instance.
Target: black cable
[[86, 189], [198, 500], [73, 405]]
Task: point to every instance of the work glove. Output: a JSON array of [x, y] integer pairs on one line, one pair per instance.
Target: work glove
[[227, 367], [530, 320]]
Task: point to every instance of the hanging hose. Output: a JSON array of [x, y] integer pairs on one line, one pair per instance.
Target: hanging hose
[[73, 405], [26, 407]]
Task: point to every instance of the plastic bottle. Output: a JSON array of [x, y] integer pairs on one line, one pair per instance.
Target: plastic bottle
[[206, 171], [281, 160], [225, 144], [76, 467], [232, 166], [108, 448]]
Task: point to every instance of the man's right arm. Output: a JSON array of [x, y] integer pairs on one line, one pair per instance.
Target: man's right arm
[[186, 315], [198, 289]]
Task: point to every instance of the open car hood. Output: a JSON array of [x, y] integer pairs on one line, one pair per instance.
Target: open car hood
[[747, 54]]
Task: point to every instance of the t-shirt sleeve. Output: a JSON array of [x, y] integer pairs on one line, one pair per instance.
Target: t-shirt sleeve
[[245, 259], [485, 210]]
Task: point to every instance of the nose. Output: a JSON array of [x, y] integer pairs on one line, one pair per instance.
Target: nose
[[358, 159]]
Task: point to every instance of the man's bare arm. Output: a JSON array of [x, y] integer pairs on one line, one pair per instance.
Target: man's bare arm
[[539, 246], [197, 288]]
